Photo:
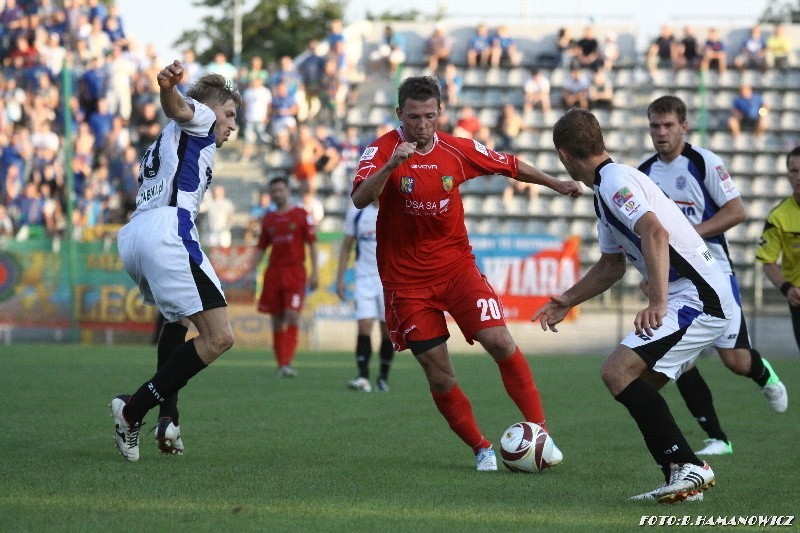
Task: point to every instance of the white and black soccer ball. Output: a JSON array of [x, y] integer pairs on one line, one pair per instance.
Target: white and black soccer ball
[[527, 447]]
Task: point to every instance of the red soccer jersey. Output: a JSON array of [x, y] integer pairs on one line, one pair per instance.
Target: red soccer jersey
[[287, 232], [420, 230]]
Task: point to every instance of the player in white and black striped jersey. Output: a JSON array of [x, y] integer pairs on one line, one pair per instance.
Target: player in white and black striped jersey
[[697, 181], [360, 229], [690, 301]]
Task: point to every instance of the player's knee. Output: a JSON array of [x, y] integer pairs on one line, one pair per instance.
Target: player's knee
[[222, 340], [736, 360]]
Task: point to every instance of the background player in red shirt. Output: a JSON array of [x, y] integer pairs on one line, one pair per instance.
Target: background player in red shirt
[[287, 230], [425, 260]]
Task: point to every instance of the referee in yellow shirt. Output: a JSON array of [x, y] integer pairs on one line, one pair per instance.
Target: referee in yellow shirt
[[780, 241]]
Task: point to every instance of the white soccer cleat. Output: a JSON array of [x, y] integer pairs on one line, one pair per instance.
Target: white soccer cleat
[[286, 371], [168, 437], [359, 384], [691, 497], [486, 460], [685, 479], [716, 447], [382, 385], [775, 391], [557, 456], [126, 435]]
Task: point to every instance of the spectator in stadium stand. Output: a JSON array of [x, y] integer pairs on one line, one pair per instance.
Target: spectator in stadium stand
[[350, 149], [192, 68], [53, 54], [6, 224], [256, 100], [257, 212], [331, 155], [637, 222], [778, 48], [289, 229], [311, 70], [92, 85], [714, 52], [160, 250], [504, 49], [359, 230], [218, 211], [101, 122], [256, 70], [509, 125], [661, 51], [748, 112], [23, 56], [467, 124], [696, 180], [754, 51], [687, 51], [391, 51], [479, 51], [778, 250], [437, 49], [335, 34], [427, 268], [576, 89], [307, 152], [601, 92], [98, 40], [567, 47], [221, 66], [588, 49], [451, 82], [310, 202], [334, 93], [120, 75], [148, 126], [283, 110], [537, 92], [610, 51]]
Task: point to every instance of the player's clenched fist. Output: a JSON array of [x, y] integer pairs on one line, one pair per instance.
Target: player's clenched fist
[[402, 152], [170, 75]]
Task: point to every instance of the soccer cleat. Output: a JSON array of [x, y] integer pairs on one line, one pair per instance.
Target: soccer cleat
[[716, 447], [382, 385], [359, 384], [685, 479], [168, 437], [486, 460], [557, 456], [286, 371], [693, 496], [126, 435], [775, 391]]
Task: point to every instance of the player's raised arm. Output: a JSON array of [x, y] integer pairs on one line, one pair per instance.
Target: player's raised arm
[[530, 174], [172, 101]]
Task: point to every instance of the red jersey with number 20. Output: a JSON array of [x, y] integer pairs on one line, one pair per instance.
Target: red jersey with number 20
[[421, 235], [287, 232]]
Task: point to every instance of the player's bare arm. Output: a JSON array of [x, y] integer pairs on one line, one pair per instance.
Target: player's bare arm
[[371, 188], [531, 174], [172, 101], [775, 276], [313, 278], [606, 272], [728, 216], [344, 259], [655, 248]]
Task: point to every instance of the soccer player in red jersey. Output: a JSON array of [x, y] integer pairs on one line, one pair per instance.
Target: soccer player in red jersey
[[288, 230], [425, 260]]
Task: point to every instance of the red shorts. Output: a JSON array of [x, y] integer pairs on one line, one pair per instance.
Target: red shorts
[[418, 314], [284, 288], [305, 171]]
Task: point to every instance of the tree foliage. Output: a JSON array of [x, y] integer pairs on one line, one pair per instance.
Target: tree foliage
[[271, 29]]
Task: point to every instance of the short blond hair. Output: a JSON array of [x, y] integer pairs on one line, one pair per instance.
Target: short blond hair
[[216, 89]]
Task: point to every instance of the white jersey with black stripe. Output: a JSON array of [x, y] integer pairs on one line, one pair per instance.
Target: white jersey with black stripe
[[176, 169], [361, 224], [698, 182], [622, 196]]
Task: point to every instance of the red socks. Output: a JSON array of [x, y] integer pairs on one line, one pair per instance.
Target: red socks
[[285, 344], [521, 387], [291, 343], [456, 409]]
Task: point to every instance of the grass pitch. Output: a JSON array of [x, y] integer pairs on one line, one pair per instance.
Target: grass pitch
[[306, 454]]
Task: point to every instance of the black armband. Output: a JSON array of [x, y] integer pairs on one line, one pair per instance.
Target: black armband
[[785, 288]]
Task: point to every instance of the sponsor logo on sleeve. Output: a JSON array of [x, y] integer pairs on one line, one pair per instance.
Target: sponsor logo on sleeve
[[406, 184], [722, 173], [481, 148], [625, 200], [622, 196], [369, 153]]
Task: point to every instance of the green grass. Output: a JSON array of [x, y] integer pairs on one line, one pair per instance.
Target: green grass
[[264, 454]]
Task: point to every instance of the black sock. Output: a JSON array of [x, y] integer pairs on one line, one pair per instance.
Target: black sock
[[697, 396], [168, 380], [172, 335], [363, 355], [661, 434], [387, 355], [758, 372]]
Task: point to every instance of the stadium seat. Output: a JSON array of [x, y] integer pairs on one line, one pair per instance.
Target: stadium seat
[[472, 204], [535, 227], [492, 205]]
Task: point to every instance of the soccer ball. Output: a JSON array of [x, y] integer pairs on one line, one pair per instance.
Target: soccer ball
[[527, 447]]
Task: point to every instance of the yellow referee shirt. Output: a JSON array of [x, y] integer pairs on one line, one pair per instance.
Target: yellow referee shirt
[[780, 240]]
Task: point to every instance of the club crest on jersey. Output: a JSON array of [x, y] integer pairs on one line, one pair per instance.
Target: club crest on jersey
[[369, 153], [680, 183], [722, 173], [622, 196], [406, 184], [447, 183]]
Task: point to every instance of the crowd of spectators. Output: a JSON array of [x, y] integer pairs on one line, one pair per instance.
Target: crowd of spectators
[[294, 112]]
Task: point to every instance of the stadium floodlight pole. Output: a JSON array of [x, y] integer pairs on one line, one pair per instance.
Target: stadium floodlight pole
[[69, 178], [237, 33]]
